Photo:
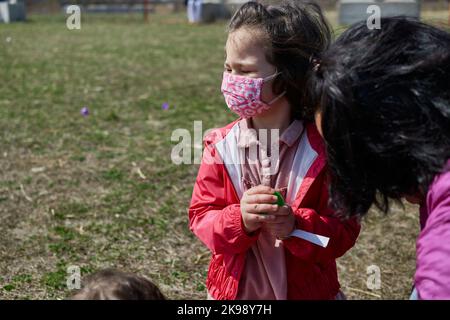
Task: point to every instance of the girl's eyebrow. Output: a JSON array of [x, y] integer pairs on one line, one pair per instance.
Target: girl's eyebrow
[[240, 65], [226, 64]]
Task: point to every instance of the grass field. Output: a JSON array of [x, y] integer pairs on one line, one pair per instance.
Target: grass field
[[101, 191]]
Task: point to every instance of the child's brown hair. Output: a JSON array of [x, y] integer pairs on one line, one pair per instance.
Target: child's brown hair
[[112, 284], [295, 32]]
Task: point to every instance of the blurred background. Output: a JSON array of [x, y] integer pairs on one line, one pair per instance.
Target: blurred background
[[206, 11], [86, 118]]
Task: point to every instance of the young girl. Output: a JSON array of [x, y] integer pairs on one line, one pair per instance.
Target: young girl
[[385, 116], [233, 209]]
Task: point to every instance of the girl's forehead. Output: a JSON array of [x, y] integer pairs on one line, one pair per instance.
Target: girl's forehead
[[243, 45]]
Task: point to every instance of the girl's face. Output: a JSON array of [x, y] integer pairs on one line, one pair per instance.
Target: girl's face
[[245, 56]]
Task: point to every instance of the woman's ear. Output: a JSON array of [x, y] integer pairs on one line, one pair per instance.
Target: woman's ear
[[318, 120]]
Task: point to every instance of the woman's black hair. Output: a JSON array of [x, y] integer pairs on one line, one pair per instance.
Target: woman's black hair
[[295, 31], [384, 97]]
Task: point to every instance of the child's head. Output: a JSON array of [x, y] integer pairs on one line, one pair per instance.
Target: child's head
[[116, 285], [279, 41], [383, 100]]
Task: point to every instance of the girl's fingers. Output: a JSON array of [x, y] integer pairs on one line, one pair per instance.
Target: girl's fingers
[[260, 189], [279, 219], [261, 208], [283, 211], [261, 217], [261, 198], [276, 222]]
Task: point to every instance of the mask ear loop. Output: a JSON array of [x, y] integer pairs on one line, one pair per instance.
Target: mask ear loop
[[277, 98], [273, 76], [281, 94]]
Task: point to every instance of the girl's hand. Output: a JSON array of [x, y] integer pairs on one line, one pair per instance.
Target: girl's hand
[[257, 206], [284, 223]]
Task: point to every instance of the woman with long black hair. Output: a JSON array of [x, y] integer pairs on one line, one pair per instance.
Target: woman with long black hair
[[381, 99]]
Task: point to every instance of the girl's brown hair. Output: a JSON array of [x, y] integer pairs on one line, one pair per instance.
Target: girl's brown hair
[[110, 284], [296, 32]]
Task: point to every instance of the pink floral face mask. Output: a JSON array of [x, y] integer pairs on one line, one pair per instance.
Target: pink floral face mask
[[243, 94]]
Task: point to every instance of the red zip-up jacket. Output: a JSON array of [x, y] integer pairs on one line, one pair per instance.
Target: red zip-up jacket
[[215, 218]]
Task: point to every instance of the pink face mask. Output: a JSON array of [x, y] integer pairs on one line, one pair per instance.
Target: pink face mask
[[243, 94]]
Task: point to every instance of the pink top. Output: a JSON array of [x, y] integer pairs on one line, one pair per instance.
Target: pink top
[[432, 278], [264, 274]]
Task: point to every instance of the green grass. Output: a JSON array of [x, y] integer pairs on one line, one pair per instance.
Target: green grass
[[70, 192]]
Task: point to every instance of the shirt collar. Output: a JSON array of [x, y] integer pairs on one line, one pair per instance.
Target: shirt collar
[[248, 136], [292, 133]]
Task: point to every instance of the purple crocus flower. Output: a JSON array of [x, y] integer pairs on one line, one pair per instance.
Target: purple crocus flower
[[165, 106], [84, 111]]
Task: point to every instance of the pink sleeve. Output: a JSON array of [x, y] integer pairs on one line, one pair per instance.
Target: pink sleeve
[[432, 278]]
